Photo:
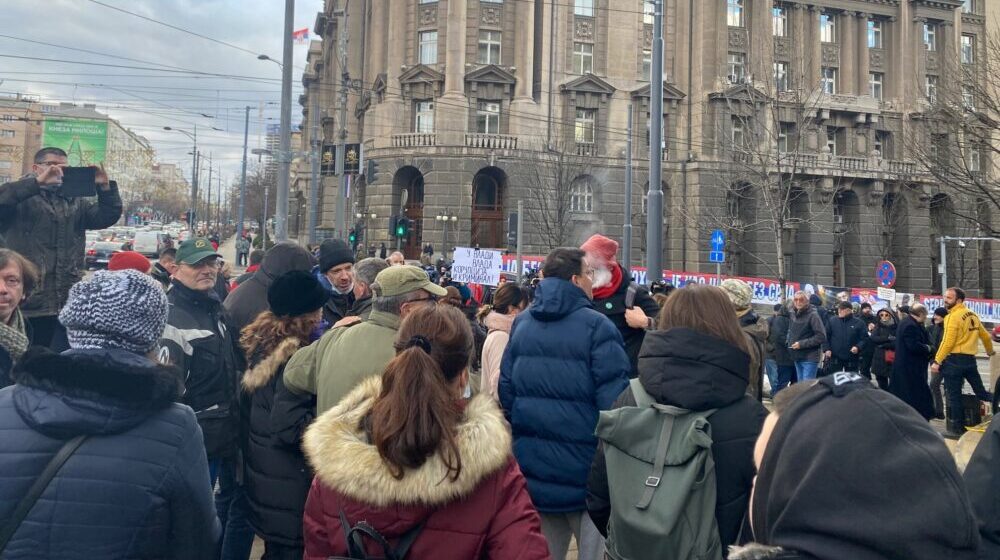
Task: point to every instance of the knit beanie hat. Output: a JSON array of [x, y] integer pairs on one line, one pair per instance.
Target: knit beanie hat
[[115, 309], [601, 246], [739, 292], [129, 260], [295, 293], [334, 252]]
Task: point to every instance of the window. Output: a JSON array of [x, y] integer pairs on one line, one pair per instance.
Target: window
[[737, 67], [9, 118], [968, 98], [734, 13], [875, 84], [973, 159], [489, 47], [488, 117], [6, 133], [828, 28], [931, 88], [968, 49], [647, 64], [969, 7], [5, 165], [831, 139], [583, 8], [739, 133], [428, 47], [779, 21], [930, 36], [648, 12], [582, 198], [828, 80], [584, 125], [883, 143], [425, 117], [874, 34], [428, 1], [786, 133], [583, 58], [780, 76]]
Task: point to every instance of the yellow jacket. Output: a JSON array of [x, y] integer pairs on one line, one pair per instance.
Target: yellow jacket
[[962, 331]]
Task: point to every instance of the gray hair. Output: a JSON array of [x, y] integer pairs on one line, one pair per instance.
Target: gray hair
[[391, 304], [366, 270], [918, 309]]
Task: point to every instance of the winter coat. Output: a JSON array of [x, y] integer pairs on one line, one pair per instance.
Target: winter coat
[[936, 332], [806, 327], [777, 341], [486, 513], [564, 364], [982, 479], [613, 307], [884, 338], [199, 341], [248, 301], [756, 333], [963, 333], [843, 334], [334, 365], [276, 477], [496, 342], [48, 229], [138, 486], [161, 275], [362, 308], [909, 371], [695, 371]]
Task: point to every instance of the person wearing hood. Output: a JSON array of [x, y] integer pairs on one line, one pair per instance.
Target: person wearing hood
[[741, 295], [137, 485], [696, 359], [777, 349], [564, 363], [628, 305], [509, 300], [913, 355], [405, 455], [248, 301], [276, 476], [877, 506], [883, 337], [335, 272], [806, 336]]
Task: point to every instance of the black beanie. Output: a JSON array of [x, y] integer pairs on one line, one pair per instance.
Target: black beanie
[[333, 252], [296, 293], [850, 471]]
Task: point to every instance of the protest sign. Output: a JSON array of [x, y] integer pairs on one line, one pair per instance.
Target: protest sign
[[474, 266]]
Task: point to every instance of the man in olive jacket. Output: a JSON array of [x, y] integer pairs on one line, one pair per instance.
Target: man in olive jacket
[[48, 228]]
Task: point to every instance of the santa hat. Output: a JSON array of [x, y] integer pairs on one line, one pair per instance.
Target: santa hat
[[602, 247]]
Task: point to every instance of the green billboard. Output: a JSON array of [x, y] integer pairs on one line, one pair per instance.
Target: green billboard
[[84, 140]]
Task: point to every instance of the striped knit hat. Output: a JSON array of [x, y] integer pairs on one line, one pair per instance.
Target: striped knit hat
[[122, 309]]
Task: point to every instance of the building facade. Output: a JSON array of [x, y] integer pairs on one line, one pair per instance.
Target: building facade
[[468, 106], [20, 135]]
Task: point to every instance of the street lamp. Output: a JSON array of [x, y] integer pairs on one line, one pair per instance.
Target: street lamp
[[444, 219], [194, 174], [365, 216]]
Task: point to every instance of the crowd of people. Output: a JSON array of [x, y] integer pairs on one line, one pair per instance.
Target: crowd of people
[[337, 407]]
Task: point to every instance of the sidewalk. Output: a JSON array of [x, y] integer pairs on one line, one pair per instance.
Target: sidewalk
[[228, 250]]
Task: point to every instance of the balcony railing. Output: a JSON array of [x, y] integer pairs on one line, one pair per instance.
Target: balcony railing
[[846, 163], [903, 167], [586, 149], [491, 141], [852, 163], [414, 140]]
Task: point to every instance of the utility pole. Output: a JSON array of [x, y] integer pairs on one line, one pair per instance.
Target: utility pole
[[520, 240], [345, 77], [285, 149], [654, 207], [314, 184], [627, 228], [243, 179], [208, 202], [194, 182], [218, 204]]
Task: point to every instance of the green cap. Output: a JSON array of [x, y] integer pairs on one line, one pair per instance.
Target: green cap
[[399, 280], [195, 250]]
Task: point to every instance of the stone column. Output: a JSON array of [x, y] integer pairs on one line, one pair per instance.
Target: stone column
[[799, 38], [378, 41], [895, 59], [918, 66], [813, 46], [457, 23], [524, 56], [862, 57], [397, 46], [947, 52], [848, 54]]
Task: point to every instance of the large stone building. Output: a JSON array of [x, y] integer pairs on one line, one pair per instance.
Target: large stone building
[[20, 135], [469, 106]]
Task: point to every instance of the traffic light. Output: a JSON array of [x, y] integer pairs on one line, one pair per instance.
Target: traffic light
[[372, 173], [393, 221], [402, 227], [512, 231], [352, 237]]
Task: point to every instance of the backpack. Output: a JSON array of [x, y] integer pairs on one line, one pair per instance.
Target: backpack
[[355, 537], [661, 480]]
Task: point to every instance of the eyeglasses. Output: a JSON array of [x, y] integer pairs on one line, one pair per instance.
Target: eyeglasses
[[49, 163], [207, 263]]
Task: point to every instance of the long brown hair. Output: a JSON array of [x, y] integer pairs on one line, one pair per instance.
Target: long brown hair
[[416, 414], [704, 309], [267, 331], [508, 296]]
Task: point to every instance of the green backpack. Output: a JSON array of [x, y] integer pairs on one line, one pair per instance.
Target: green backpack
[[661, 479]]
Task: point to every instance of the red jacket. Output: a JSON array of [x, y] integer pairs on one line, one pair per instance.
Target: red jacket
[[486, 513]]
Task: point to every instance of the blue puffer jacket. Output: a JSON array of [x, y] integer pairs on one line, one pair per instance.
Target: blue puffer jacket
[[137, 487], [565, 362]]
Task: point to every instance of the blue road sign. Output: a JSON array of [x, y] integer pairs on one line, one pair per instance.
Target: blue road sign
[[717, 256], [718, 240]]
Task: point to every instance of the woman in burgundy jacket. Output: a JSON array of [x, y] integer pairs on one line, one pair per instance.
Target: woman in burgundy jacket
[[406, 455]]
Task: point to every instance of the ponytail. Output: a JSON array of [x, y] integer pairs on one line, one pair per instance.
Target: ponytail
[[483, 312]]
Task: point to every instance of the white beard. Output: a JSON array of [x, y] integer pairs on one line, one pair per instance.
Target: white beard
[[602, 277]]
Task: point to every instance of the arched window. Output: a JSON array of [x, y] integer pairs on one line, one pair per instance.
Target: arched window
[[582, 198]]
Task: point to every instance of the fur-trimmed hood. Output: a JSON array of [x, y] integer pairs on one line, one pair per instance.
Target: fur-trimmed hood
[[261, 374], [344, 460]]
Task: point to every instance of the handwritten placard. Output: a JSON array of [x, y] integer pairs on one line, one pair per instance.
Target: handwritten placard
[[474, 266]]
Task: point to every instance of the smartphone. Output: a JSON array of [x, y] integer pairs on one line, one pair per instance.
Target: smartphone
[[79, 181]]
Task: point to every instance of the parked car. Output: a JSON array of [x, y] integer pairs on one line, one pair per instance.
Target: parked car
[[149, 243], [99, 255]]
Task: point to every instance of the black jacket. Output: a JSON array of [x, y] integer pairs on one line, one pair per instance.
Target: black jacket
[[909, 371], [843, 334], [338, 306], [806, 327], [199, 341], [982, 478], [48, 229], [277, 475], [249, 299], [691, 370], [613, 308], [777, 340], [161, 275], [936, 333], [883, 338]]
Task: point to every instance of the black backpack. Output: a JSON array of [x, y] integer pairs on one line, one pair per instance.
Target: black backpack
[[355, 538]]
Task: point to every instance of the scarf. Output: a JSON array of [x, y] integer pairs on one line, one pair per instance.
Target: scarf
[[609, 290]]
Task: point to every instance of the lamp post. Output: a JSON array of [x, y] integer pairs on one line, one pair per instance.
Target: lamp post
[[194, 174], [284, 157], [444, 218], [365, 217]]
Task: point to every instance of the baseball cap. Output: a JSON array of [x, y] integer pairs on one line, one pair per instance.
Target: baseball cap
[[399, 280], [195, 250]]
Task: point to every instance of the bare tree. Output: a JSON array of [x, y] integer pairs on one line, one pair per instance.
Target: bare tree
[[558, 187]]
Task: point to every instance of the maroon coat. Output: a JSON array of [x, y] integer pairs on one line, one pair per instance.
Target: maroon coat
[[486, 513]]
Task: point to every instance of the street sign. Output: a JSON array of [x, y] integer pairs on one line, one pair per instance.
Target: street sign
[[717, 256], [885, 273], [887, 294], [718, 240]]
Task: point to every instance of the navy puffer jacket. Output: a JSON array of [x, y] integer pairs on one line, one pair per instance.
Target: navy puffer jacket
[[565, 362], [137, 487]]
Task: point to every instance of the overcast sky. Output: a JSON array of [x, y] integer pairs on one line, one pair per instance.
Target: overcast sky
[[141, 98]]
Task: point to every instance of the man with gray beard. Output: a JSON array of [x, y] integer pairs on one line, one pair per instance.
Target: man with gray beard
[[618, 297]]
